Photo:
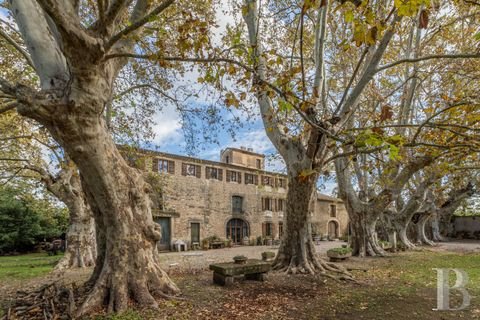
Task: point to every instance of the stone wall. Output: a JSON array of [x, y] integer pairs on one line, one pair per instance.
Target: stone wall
[[323, 216], [208, 201], [466, 227]]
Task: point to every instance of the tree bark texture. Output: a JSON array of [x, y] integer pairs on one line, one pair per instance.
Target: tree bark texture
[[420, 231], [363, 238], [130, 267], [437, 235], [297, 253], [80, 240], [76, 83]]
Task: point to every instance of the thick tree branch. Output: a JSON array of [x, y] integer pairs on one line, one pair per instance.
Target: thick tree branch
[[8, 106], [50, 63], [369, 72], [138, 23]]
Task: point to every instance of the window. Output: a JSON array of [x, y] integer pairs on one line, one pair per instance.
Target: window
[[162, 165], [267, 204], [333, 211], [227, 159], [267, 229], [280, 204], [280, 229], [259, 164], [237, 204], [267, 181], [191, 170], [251, 178], [214, 173], [281, 183], [234, 176]]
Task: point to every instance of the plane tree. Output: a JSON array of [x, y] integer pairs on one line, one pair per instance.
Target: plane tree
[[78, 50]]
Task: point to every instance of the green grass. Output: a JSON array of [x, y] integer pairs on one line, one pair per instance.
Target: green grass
[[416, 268], [26, 266]]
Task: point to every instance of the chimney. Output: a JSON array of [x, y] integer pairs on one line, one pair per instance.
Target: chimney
[[250, 149], [243, 148]]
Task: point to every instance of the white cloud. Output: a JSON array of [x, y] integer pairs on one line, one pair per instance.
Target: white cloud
[[167, 128]]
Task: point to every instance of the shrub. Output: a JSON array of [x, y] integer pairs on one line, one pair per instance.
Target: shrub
[[340, 250]]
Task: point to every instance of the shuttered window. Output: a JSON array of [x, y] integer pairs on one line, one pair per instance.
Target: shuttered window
[[234, 176], [162, 165], [251, 179], [267, 229], [192, 170], [267, 204], [267, 181], [280, 204], [333, 211], [214, 173]]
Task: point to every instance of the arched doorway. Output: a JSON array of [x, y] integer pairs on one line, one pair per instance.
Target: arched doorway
[[332, 229], [236, 230]]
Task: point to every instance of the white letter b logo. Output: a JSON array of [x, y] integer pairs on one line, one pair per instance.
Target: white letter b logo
[[443, 289]]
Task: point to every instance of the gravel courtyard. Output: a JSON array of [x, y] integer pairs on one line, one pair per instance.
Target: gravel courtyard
[[193, 260]]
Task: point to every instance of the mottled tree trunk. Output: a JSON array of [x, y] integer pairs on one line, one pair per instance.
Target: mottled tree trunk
[[297, 253], [128, 265], [80, 249], [80, 240], [401, 228], [392, 238], [420, 231], [435, 225], [77, 80], [363, 235]]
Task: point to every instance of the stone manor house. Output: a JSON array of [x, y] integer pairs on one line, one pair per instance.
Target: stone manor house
[[231, 199]]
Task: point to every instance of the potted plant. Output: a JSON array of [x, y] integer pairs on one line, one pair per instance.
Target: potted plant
[[337, 254], [268, 241], [205, 244], [240, 259]]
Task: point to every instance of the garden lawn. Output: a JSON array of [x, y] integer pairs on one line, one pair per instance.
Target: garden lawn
[[26, 266]]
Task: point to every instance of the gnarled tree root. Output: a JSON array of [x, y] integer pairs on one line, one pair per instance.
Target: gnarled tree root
[[313, 265], [117, 288]]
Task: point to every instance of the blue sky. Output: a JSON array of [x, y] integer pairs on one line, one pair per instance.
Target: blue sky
[[169, 136]]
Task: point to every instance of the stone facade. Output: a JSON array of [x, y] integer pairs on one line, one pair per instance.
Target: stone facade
[[238, 199]]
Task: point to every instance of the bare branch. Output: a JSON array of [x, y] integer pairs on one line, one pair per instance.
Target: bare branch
[[430, 57], [145, 85], [18, 47], [433, 116]]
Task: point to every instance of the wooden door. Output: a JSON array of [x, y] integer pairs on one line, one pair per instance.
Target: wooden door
[[165, 225], [195, 233]]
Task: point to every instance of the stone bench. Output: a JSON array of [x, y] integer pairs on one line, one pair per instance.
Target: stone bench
[[252, 269], [217, 244]]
